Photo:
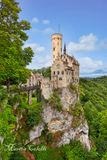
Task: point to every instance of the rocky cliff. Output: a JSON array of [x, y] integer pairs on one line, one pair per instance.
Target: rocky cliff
[[63, 119]]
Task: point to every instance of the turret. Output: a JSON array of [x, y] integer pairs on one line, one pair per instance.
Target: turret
[[64, 49], [56, 46]]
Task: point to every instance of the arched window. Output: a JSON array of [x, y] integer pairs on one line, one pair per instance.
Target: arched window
[[62, 72], [54, 49], [54, 72], [60, 78], [58, 72]]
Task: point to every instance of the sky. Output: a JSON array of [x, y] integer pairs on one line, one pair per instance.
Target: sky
[[83, 24]]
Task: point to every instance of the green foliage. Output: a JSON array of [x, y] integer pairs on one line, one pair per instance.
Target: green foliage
[[34, 115], [46, 136], [77, 110], [38, 94], [50, 153], [94, 100], [17, 156], [13, 58], [55, 101], [74, 87], [46, 72], [103, 124], [75, 151], [95, 91], [78, 115], [104, 157], [72, 151], [7, 124], [101, 141]]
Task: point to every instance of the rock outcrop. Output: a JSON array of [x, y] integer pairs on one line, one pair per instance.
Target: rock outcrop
[[65, 125]]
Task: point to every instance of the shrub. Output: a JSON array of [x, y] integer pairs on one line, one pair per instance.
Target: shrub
[[74, 87], [55, 101], [34, 115]]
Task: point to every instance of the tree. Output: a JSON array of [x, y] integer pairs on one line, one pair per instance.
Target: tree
[[13, 61], [13, 57], [102, 139]]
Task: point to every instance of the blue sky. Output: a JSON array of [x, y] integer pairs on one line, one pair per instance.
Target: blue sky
[[83, 25]]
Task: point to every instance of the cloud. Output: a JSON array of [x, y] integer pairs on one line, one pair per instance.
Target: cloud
[[35, 47], [48, 30], [103, 44], [35, 20], [45, 21], [85, 43], [89, 65], [41, 60]]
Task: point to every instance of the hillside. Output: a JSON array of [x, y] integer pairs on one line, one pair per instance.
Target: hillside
[[93, 99]]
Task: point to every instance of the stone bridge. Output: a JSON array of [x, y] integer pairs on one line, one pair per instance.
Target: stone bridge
[[37, 81]]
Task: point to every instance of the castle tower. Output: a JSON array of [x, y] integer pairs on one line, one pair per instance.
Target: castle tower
[[56, 46]]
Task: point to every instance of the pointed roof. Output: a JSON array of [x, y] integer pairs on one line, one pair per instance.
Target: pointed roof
[[64, 48]]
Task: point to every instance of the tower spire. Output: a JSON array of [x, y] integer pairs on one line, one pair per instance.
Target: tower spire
[[64, 48]]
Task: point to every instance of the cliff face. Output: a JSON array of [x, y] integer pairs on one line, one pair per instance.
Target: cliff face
[[64, 123]]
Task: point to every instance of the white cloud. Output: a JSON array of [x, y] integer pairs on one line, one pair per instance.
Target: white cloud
[[88, 65], [48, 30], [103, 44], [35, 20], [85, 43], [45, 21], [35, 47], [41, 60]]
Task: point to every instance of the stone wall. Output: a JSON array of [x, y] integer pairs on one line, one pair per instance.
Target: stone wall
[[46, 87]]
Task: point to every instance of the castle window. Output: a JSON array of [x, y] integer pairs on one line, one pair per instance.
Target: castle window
[[54, 49], [58, 72], [62, 72], [54, 72], [60, 78]]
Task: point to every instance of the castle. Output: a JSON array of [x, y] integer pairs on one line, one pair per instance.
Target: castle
[[64, 69]]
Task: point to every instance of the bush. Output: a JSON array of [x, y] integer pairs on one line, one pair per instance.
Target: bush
[[34, 115], [55, 101], [74, 87], [17, 156]]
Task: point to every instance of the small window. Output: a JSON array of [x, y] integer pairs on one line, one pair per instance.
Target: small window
[[60, 78], [58, 72], [62, 72], [54, 49], [54, 72]]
